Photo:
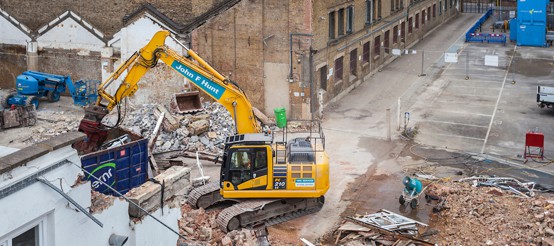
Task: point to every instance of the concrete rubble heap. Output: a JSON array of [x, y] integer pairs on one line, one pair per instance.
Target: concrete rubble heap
[[203, 131], [490, 216], [200, 228]]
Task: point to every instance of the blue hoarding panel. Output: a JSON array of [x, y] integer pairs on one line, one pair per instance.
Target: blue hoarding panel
[[531, 35], [513, 29]]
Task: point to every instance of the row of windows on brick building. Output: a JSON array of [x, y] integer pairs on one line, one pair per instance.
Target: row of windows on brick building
[[339, 62], [341, 21]]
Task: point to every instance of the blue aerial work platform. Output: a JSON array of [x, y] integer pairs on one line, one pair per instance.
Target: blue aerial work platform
[[32, 85]]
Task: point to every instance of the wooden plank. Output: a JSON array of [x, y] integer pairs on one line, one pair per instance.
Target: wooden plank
[[306, 242], [349, 226], [152, 142], [170, 123], [338, 237], [370, 235]]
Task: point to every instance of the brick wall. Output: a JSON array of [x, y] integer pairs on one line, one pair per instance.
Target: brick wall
[[232, 43], [65, 62], [252, 37], [13, 62]]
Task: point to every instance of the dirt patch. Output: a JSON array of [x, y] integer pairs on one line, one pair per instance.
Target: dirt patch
[[530, 67], [286, 233], [372, 192]]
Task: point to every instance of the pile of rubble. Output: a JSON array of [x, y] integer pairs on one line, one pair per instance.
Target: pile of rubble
[[100, 202], [52, 124], [470, 215], [200, 228], [203, 131]]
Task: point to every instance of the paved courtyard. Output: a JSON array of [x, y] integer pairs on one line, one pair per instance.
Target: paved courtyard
[[491, 111]]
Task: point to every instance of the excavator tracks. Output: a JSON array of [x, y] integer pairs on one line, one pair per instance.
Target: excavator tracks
[[253, 212], [205, 196]]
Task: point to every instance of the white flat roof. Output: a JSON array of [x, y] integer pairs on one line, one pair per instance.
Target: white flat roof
[[4, 151]]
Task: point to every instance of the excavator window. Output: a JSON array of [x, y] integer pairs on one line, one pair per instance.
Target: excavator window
[[241, 166], [247, 163], [261, 159]]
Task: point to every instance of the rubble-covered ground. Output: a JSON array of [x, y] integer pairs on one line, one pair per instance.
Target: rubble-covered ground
[[469, 216], [490, 216], [200, 228]]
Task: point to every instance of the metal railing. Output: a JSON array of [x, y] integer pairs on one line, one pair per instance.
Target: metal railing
[[310, 130]]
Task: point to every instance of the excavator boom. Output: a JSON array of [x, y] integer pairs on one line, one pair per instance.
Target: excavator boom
[[191, 66]]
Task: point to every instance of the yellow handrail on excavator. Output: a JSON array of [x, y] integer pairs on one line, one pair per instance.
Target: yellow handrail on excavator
[[202, 76]]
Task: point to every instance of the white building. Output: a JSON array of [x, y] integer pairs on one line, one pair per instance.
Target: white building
[[33, 213]]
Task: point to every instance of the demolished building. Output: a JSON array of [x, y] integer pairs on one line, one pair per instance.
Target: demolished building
[[45, 201]]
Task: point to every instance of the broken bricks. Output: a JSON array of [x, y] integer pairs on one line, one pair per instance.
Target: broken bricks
[[490, 215]]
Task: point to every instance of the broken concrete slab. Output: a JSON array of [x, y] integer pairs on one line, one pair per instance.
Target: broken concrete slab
[[21, 157], [170, 123], [200, 117], [148, 196], [199, 127], [197, 182], [261, 116]]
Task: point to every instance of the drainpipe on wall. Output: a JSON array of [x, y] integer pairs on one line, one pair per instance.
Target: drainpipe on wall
[[290, 49]]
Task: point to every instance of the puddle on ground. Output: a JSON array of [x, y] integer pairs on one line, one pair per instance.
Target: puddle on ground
[[371, 193]]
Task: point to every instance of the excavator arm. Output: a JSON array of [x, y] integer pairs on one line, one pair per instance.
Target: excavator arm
[[191, 66]]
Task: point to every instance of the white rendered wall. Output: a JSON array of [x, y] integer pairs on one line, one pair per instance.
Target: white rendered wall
[[62, 223], [137, 34], [9, 34], [69, 34]]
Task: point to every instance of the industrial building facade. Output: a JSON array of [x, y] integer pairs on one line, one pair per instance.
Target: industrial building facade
[[356, 38], [265, 46]]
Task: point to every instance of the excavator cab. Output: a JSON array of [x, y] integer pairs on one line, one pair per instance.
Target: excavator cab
[[258, 166], [247, 160], [247, 163]]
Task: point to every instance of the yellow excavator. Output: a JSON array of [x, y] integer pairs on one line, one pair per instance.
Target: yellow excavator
[[271, 178]]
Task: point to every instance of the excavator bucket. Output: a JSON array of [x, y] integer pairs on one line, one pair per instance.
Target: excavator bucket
[[188, 102]]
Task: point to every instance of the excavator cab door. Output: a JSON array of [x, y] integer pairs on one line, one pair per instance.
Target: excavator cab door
[[247, 167]]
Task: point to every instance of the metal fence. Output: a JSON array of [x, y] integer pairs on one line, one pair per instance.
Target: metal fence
[[477, 6]]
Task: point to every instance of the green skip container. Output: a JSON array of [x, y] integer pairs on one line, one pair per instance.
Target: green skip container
[[280, 117]]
